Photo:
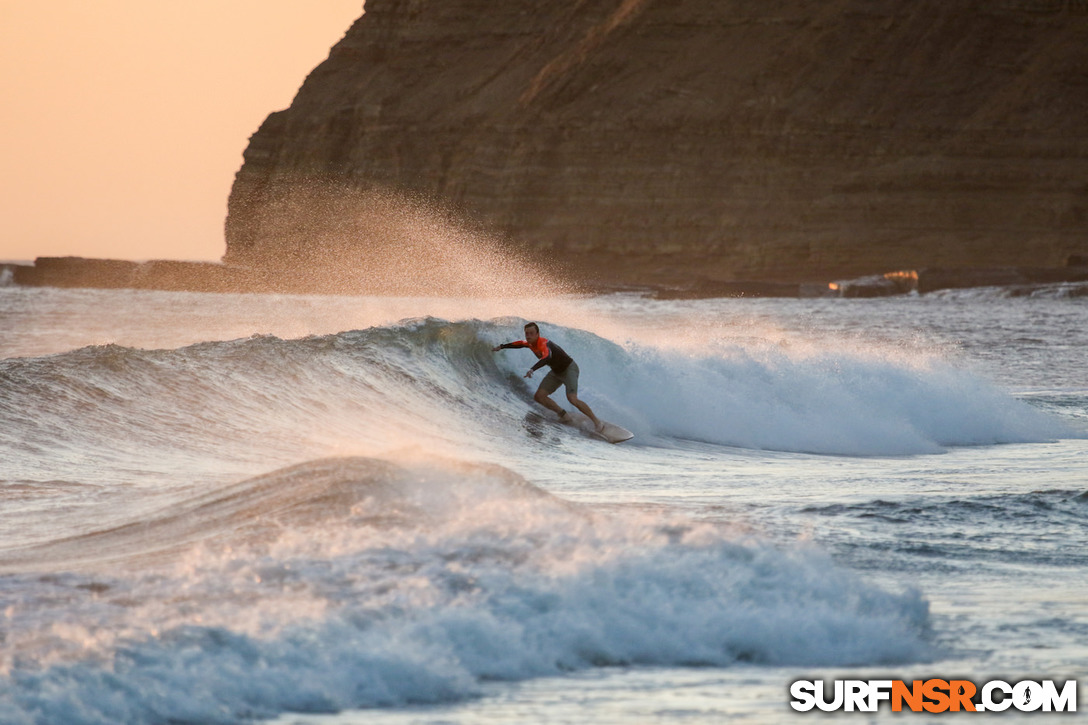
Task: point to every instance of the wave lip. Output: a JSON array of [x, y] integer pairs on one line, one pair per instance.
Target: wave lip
[[856, 403], [263, 398]]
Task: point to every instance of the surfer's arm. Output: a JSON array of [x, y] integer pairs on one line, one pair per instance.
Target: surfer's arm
[[506, 345], [544, 359], [539, 364]]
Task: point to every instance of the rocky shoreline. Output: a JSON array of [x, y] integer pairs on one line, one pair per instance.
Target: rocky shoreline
[[181, 276]]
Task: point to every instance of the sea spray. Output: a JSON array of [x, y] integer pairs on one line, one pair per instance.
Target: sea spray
[[349, 583], [264, 399], [857, 401]]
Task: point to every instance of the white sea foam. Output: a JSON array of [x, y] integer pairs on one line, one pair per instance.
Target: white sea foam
[[856, 401], [431, 578], [224, 406], [166, 584]]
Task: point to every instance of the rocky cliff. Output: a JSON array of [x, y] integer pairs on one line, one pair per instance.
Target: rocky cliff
[[663, 142]]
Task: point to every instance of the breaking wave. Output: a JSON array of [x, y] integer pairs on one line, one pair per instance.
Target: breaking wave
[[357, 582], [268, 399], [386, 558]]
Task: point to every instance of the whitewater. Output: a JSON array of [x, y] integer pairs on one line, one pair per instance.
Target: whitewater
[[329, 510]]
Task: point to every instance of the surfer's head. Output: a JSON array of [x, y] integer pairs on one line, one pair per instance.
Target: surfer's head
[[532, 332]]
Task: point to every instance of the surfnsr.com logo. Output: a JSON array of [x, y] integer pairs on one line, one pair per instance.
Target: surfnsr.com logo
[[934, 695]]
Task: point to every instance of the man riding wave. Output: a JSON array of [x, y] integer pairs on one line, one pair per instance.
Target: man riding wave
[[564, 371]]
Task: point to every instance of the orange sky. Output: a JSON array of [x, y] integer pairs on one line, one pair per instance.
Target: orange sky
[[122, 122]]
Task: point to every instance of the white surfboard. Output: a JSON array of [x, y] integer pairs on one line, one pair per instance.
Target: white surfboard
[[609, 431], [613, 433], [534, 425]]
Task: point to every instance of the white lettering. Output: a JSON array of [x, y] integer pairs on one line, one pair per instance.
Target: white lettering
[[821, 700], [879, 690], [994, 696], [1065, 701], [804, 695], [1027, 696], [856, 695], [997, 705]]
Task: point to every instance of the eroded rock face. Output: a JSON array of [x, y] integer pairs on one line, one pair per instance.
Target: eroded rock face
[[672, 142]]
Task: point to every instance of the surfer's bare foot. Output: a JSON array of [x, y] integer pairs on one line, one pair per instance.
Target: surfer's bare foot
[[599, 426], [564, 416]]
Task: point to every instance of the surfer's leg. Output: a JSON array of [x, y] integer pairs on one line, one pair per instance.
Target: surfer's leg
[[549, 385], [570, 379], [573, 398]]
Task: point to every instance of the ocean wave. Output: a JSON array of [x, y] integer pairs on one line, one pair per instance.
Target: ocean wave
[[359, 583], [1041, 528], [1045, 291], [263, 398], [857, 401]]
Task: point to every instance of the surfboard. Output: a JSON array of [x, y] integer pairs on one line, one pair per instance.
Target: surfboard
[[613, 433], [534, 425]]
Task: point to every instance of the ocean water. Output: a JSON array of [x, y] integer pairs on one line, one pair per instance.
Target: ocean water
[[228, 508]]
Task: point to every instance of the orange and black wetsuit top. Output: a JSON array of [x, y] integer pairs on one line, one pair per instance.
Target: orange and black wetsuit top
[[549, 353]]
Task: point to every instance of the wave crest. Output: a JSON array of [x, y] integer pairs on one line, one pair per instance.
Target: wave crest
[[395, 582]]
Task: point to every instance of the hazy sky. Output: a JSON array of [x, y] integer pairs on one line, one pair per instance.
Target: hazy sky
[[122, 122]]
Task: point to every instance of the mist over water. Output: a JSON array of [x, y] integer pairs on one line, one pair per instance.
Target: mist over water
[[225, 507]]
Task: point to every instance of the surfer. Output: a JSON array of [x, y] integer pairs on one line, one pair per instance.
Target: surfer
[[564, 371]]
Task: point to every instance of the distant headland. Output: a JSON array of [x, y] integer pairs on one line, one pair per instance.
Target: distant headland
[[695, 148]]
